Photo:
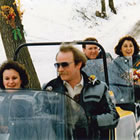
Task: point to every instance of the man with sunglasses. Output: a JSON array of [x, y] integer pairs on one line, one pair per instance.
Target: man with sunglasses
[[94, 96]]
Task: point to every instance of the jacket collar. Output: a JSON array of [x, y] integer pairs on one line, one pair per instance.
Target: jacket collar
[[86, 80]]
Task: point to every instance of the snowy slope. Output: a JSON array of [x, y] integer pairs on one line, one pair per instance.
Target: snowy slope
[[53, 20]]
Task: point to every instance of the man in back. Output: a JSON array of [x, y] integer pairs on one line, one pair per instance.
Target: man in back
[[92, 51]]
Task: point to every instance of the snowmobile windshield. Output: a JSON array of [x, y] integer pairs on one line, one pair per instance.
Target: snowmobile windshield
[[39, 115], [96, 67], [124, 76]]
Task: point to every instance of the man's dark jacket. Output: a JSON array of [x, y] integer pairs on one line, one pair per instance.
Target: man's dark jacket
[[96, 101]]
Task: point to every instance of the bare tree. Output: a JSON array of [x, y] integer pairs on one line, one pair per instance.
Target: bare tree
[[103, 13], [12, 34]]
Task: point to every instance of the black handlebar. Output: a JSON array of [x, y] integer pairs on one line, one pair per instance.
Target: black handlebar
[[59, 43]]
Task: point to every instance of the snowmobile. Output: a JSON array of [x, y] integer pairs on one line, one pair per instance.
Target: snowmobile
[[34, 114]]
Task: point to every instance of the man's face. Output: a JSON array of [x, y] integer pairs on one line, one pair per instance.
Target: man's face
[[91, 51], [68, 72]]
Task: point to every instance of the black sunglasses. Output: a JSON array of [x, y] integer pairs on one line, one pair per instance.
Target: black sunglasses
[[63, 64]]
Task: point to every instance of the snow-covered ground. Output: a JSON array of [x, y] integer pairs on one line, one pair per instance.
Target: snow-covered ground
[[57, 20]]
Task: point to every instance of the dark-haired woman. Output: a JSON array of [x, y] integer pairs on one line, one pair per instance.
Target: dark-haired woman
[[121, 72], [13, 75]]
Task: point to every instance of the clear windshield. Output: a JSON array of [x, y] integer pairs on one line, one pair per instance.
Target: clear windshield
[[121, 80], [124, 76], [39, 115], [95, 67]]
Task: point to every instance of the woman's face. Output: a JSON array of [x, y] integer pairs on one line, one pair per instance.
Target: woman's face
[[11, 79], [127, 48]]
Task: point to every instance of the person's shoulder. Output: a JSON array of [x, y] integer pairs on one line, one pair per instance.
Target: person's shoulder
[[101, 85], [136, 56], [136, 61], [95, 88], [50, 83], [108, 55], [117, 59], [93, 80]]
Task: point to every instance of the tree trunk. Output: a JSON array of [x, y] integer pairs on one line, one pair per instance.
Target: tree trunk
[[111, 5], [11, 41], [103, 8]]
